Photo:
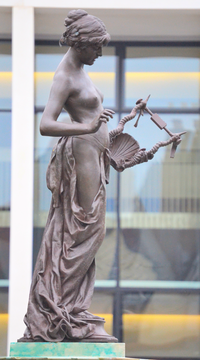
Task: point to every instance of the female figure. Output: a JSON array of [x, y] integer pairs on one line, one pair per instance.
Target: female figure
[[64, 274]]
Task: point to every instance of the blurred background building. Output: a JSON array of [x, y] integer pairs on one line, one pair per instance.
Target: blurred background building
[[148, 268]]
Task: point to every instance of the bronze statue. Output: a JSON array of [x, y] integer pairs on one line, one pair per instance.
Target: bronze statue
[[64, 274]]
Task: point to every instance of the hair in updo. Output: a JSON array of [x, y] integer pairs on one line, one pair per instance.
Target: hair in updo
[[83, 29]]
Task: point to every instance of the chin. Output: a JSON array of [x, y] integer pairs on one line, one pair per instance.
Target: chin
[[89, 62]]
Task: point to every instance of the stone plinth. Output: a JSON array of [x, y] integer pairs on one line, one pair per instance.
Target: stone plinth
[[63, 351], [67, 350]]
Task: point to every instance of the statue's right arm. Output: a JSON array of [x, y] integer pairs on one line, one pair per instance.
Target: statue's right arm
[[60, 91], [49, 126]]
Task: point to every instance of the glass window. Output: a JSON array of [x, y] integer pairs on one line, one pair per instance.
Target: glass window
[[5, 166], [4, 253], [159, 208], [47, 60], [164, 185], [160, 205], [3, 319], [161, 325], [5, 76], [170, 74], [159, 254], [102, 305]]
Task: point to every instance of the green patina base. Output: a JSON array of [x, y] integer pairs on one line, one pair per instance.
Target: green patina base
[[68, 358], [67, 350]]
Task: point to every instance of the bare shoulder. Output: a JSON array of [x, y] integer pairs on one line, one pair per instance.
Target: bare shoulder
[[63, 79], [62, 86]]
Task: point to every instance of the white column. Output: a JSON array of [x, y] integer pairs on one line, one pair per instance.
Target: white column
[[21, 221]]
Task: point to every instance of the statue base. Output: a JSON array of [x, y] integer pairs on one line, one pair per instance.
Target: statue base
[[67, 350], [99, 335]]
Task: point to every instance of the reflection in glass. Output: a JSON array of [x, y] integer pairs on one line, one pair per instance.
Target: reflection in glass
[[164, 184], [3, 320], [170, 75], [159, 254], [4, 253], [160, 206], [161, 325]]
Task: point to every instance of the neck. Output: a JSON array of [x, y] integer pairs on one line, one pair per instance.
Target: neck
[[73, 58]]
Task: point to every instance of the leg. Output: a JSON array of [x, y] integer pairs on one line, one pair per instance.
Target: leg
[[88, 172]]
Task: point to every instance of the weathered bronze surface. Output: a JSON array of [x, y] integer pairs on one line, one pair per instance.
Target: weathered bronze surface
[[64, 274]]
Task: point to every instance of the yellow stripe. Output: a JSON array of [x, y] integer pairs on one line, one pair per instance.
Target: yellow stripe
[[148, 76], [148, 328]]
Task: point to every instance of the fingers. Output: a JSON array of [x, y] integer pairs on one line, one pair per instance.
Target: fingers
[[104, 118], [108, 112]]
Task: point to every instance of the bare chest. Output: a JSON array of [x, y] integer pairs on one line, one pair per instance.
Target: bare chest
[[85, 94]]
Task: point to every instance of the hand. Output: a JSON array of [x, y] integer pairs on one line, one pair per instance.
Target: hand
[[102, 117], [176, 139], [150, 155]]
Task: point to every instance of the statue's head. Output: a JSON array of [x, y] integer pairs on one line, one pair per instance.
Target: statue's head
[[83, 29]]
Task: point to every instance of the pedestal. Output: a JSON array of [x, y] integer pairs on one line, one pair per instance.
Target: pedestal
[[62, 351], [67, 350]]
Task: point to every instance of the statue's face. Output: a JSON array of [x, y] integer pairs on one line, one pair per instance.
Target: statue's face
[[89, 54]]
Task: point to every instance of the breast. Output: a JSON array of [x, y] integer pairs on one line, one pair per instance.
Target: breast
[[84, 99], [88, 99]]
